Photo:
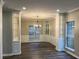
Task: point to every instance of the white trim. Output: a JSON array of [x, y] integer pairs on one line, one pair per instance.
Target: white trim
[[72, 54], [59, 49], [70, 49], [73, 10], [66, 36], [7, 54], [1, 30], [12, 54], [70, 20], [20, 29]]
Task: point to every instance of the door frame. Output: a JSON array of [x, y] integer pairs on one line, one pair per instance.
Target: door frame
[[66, 37]]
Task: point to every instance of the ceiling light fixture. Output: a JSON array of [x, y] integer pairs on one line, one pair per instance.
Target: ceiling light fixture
[[58, 10], [24, 8]]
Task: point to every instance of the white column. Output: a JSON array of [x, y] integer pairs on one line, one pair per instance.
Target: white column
[[1, 4], [59, 32], [16, 49], [20, 29], [17, 43]]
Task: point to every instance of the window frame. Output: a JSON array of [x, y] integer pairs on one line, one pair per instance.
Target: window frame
[[66, 45]]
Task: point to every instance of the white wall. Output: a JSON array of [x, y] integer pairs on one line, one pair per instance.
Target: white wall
[[0, 30], [43, 38]]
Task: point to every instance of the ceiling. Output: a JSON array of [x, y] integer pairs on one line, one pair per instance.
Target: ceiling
[[42, 6]]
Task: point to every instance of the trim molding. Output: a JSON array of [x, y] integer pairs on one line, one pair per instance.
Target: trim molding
[[73, 10], [12, 54], [70, 49], [72, 54], [59, 49]]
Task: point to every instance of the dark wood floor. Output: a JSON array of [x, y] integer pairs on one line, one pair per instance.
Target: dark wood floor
[[40, 51]]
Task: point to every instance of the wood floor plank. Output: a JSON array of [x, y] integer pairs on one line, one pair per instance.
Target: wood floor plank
[[40, 50]]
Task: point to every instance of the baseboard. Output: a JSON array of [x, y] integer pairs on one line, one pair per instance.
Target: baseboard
[[72, 54], [36, 42], [8, 54], [12, 54], [33, 41], [59, 49]]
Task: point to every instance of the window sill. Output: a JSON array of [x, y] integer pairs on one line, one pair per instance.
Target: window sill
[[70, 49]]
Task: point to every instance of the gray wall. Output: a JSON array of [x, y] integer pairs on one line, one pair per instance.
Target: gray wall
[[7, 32], [0, 30]]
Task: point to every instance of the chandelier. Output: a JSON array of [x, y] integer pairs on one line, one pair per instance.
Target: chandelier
[[37, 23]]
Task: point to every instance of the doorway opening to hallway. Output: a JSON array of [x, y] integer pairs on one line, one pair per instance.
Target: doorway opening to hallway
[[34, 32]]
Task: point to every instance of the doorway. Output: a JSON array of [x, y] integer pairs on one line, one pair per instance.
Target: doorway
[[70, 35], [34, 32]]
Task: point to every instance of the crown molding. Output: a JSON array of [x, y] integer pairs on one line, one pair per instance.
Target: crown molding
[[73, 10], [2, 2]]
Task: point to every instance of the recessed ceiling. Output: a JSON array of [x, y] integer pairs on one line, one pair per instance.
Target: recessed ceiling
[[43, 5], [42, 8]]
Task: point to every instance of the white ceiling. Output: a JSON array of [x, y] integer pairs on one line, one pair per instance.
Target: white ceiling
[[43, 5]]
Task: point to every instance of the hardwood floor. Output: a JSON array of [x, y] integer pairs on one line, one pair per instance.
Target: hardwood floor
[[40, 51]]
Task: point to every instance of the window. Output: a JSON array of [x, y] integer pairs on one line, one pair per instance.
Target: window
[[47, 28], [34, 32], [70, 35]]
